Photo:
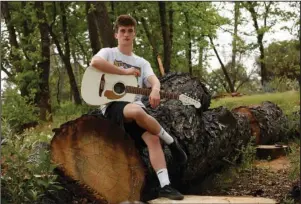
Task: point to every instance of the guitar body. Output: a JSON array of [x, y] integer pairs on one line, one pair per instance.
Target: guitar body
[[96, 93]]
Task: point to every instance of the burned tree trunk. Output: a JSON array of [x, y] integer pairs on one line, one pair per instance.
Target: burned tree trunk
[[268, 122]]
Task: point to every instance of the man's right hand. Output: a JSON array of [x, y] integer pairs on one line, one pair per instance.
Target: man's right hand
[[132, 71]]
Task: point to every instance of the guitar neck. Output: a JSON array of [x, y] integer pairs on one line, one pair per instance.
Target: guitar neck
[[146, 92]]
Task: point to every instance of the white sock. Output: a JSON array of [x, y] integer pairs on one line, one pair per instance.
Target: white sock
[[165, 136], [163, 177]]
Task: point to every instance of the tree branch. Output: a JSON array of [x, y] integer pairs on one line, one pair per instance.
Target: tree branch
[[10, 75]]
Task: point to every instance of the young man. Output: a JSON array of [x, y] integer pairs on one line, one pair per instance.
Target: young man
[[142, 127]]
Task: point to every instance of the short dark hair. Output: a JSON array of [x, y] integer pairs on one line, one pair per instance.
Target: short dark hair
[[124, 20]]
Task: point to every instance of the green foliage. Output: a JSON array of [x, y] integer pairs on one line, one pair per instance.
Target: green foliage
[[293, 129], [294, 158], [27, 172], [225, 178], [217, 82], [283, 59], [16, 110], [69, 111], [282, 84], [248, 154]]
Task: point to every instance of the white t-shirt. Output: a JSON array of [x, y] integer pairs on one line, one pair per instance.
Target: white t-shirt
[[114, 56]]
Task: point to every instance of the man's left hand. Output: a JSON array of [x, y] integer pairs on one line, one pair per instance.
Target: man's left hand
[[154, 98]]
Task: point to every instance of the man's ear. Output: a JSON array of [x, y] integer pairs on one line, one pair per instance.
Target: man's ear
[[115, 35]]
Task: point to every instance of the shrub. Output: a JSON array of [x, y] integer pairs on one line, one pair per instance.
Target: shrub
[[27, 174], [281, 84], [16, 109]]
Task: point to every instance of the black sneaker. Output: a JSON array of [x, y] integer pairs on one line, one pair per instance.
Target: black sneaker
[[171, 193], [177, 152]]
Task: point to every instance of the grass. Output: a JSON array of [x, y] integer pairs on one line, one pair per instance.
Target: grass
[[288, 101]]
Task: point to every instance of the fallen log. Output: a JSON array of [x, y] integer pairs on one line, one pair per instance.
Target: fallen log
[[268, 122], [211, 141], [177, 82], [97, 154], [100, 156]]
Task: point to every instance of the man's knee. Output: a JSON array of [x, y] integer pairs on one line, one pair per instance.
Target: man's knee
[[134, 111]]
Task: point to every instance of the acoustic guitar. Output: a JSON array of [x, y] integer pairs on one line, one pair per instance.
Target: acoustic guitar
[[99, 88]]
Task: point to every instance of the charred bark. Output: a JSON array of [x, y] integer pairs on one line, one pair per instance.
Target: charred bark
[[185, 83], [268, 123]]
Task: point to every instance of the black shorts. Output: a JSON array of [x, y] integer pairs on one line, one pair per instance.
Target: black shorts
[[114, 112]]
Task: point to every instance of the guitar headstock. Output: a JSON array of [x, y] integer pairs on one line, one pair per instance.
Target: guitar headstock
[[186, 100]]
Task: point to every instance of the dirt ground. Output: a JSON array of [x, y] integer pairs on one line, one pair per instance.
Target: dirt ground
[[269, 179]]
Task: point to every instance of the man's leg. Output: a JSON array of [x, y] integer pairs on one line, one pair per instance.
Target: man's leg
[[157, 159], [149, 123]]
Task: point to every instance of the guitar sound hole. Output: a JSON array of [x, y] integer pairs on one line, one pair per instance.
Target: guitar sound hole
[[119, 88]]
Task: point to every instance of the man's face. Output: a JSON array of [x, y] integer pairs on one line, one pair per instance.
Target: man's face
[[125, 35]]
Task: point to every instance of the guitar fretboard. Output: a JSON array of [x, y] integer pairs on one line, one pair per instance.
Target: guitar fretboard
[[146, 92]]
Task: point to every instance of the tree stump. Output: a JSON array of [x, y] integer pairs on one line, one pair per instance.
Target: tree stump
[[271, 151], [100, 156], [268, 123]]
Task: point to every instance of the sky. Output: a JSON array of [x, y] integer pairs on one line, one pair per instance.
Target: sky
[[224, 39]]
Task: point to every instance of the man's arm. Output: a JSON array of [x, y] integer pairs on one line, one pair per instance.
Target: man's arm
[[154, 97], [104, 66], [154, 81]]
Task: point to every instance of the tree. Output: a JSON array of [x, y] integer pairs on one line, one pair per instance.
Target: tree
[[104, 25], [44, 65], [226, 74], [65, 56], [165, 35], [283, 59], [92, 28], [269, 13], [235, 36]]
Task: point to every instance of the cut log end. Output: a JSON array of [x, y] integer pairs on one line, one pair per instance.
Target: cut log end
[[271, 151], [97, 154]]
